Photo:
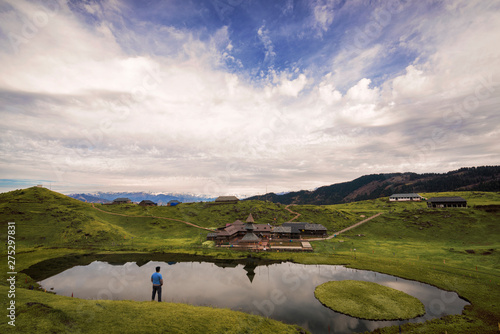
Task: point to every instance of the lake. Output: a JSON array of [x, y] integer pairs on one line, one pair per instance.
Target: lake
[[282, 291]]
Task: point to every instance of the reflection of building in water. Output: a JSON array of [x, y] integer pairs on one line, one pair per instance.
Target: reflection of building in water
[[250, 269], [249, 266]]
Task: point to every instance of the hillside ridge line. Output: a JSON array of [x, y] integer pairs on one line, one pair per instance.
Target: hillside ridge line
[[134, 216], [347, 228]]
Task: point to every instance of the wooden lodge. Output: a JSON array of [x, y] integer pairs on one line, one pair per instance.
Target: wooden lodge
[[236, 231], [122, 200], [297, 230], [250, 233], [446, 202], [226, 200]]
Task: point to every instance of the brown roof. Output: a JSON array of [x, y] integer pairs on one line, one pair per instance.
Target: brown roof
[[250, 219], [262, 228], [229, 230]]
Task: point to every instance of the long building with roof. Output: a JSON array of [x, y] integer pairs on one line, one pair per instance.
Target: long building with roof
[[245, 233], [447, 202], [405, 197]]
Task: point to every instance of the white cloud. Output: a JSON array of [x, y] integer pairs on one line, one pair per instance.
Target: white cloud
[[350, 65], [327, 91], [292, 87], [158, 108], [264, 37], [412, 84], [362, 94], [323, 14]]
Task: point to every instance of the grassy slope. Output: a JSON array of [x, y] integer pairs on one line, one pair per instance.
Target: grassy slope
[[39, 312], [408, 240]]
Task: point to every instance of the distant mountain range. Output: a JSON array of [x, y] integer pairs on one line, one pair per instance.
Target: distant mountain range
[[161, 199], [486, 178]]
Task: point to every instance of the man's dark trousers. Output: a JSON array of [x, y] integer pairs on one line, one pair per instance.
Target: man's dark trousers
[[155, 289]]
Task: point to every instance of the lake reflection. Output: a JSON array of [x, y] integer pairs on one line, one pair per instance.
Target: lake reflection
[[282, 291]]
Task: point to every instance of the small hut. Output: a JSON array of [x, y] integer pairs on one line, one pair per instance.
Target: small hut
[[226, 200], [122, 200], [147, 202]]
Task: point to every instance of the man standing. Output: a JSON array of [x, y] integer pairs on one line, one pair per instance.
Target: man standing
[[157, 280]]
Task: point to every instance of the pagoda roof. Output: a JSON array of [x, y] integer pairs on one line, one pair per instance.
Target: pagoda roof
[[250, 237]]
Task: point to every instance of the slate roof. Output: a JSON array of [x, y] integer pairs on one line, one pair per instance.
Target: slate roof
[[261, 228], [250, 237], [250, 219], [315, 227], [282, 229], [249, 227], [446, 199], [230, 230], [297, 227], [147, 201]]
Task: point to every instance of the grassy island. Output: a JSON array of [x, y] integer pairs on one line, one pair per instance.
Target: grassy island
[[368, 300]]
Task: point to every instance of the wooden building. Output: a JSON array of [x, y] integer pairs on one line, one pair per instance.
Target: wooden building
[[226, 200], [238, 229], [446, 202], [122, 200], [299, 229], [249, 239], [147, 202], [283, 232], [238, 232]]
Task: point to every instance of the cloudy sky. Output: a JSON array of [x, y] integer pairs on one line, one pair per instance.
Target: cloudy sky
[[236, 97]]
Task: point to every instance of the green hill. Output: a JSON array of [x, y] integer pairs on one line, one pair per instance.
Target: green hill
[[454, 249], [485, 178], [46, 218]]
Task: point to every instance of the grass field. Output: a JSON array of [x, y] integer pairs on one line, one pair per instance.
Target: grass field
[[40, 312], [454, 249]]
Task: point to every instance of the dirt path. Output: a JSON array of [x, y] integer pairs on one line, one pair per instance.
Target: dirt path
[[347, 228], [293, 212], [173, 219]]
